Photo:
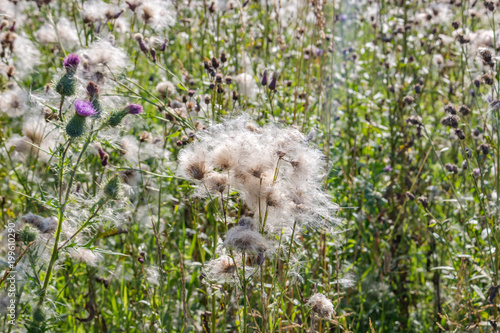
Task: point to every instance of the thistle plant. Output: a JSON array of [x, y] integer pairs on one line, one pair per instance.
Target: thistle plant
[[269, 166]]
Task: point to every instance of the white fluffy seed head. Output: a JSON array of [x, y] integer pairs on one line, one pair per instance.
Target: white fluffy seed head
[[321, 305], [273, 169], [43, 224], [245, 240], [223, 269], [193, 163], [84, 255]]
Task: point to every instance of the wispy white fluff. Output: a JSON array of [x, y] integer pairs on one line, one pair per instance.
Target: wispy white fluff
[[39, 138], [43, 224], [290, 191], [321, 305], [65, 31], [158, 14], [27, 56], [247, 85], [223, 269], [13, 102], [101, 57], [84, 255]]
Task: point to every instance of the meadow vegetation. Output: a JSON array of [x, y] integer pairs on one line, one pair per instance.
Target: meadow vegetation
[[249, 166]]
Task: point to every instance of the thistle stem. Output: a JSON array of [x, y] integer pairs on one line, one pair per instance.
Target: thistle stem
[[61, 107], [245, 320]]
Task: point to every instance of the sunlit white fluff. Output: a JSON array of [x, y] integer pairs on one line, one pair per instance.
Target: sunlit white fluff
[[158, 14], [27, 56], [100, 58], [321, 305], [84, 255], [247, 85], [66, 32], [275, 170], [14, 102], [223, 268], [39, 138]]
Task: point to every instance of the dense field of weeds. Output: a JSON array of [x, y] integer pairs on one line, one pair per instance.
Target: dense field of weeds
[[249, 166]]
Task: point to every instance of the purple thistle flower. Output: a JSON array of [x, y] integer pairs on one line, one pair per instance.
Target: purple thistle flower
[[272, 85], [388, 168], [164, 45], [117, 15], [264, 79], [134, 109], [84, 108], [71, 61]]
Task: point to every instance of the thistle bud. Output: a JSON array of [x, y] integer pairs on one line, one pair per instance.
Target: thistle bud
[[39, 315], [223, 57], [489, 5], [264, 79], [456, 24], [464, 110], [487, 79], [11, 71], [484, 148], [424, 201], [468, 152], [451, 121], [117, 15], [143, 46], [66, 85], [218, 77], [410, 196], [235, 95], [76, 125], [418, 88], [207, 65], [408, 100], [93, 90], [191, 93], [103, 156], [207, 99], [228, 79], [261, 258], [272, 85], [117, 116], [153, 55], [145, 136], [112, 188], [476, 172], [460, 134], [163, 46], [215, 63], [27, 235], [93, 93]]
